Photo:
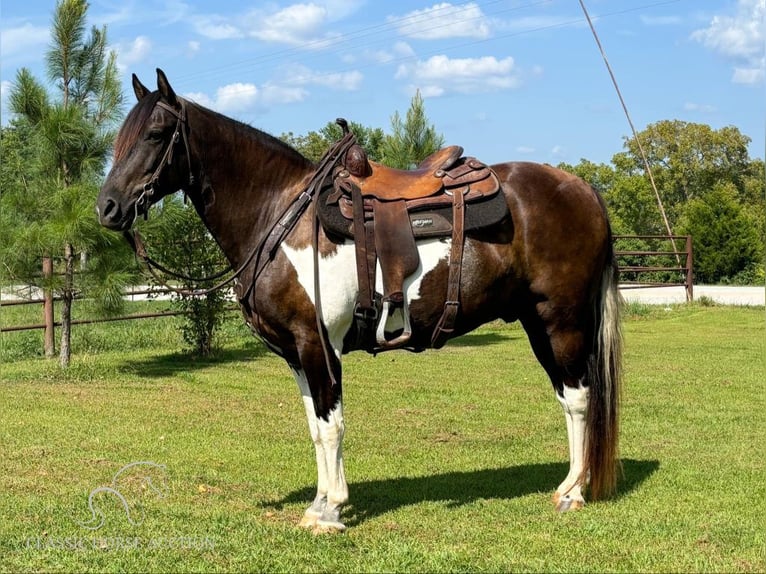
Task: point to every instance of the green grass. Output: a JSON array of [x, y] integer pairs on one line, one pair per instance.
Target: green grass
[[451, 456]]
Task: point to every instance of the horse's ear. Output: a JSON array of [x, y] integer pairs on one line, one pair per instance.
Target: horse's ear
[[139, 89], [165, 90]]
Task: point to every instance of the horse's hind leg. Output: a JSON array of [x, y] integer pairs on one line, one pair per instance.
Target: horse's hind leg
[[561, 353], [574, 400], [327, 435]]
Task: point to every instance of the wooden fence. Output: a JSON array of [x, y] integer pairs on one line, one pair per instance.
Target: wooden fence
[[656, 266], [657, 263]]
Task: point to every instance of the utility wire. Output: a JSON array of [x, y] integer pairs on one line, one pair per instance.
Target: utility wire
[[635, 135]]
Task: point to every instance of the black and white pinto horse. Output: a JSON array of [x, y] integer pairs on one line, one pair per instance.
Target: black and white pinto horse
[[549, 265]]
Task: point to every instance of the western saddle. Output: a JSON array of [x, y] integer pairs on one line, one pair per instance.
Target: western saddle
[[384, 210]]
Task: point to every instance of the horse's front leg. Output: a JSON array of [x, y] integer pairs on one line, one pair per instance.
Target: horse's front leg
[[327, 428]]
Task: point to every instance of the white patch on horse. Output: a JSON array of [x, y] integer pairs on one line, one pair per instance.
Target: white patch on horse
[[338, 285], [327, 436], [575, 404]]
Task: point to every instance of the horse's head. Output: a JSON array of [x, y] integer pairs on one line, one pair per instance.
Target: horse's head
[[151, 156]]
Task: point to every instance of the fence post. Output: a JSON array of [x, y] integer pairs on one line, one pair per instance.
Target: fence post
[[49, 336], [689, 270]]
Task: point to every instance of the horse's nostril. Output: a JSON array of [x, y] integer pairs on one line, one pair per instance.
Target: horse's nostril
[[111, 210]]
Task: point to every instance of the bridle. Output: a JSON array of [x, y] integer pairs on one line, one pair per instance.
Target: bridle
[[266, 249], [145, 200]]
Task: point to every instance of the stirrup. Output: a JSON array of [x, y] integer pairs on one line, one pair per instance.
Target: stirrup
[[380, 335]]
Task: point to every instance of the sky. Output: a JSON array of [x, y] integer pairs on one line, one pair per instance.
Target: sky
[[506, 79]]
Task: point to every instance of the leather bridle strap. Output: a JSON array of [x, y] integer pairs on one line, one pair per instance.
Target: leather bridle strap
[[145, 199]]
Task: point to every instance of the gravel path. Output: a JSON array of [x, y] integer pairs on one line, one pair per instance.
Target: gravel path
[[726, 295]]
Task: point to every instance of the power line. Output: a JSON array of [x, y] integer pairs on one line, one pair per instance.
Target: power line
[[259, 62]]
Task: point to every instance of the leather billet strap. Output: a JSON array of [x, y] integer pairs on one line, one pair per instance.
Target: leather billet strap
[[446, 325]]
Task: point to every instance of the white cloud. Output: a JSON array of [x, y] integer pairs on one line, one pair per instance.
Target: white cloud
[[192, 47], [201, 98], [558, 151], [302, 76], [749, 75], [133, 52], [301, 24], [23, 39], [5, 89], [129, 12], [241, 97], [440, 74], [443, 20], [236, 97], [525, 149], [216, 27], [740, 38], [296, 24], [275, 94]]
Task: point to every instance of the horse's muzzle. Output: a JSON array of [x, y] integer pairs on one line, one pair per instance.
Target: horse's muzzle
[[111, 214]]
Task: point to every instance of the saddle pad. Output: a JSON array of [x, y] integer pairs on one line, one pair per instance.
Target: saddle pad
[[425, 221]]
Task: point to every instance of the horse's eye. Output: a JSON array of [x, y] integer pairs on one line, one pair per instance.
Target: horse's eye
[[154, 135]]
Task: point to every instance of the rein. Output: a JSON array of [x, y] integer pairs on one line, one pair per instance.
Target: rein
[[267, 246]]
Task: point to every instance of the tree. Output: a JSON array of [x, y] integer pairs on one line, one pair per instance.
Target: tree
[[411, 140], [687, 160], [71, 137], [314, 144], [726, 239], [629, 198]]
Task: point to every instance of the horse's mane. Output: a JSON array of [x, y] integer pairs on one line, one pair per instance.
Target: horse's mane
[[264, 139], [134, 124], [138, 116]]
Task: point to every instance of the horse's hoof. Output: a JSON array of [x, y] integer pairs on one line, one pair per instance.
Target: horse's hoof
[[326, 527], [309, 520], [567, 504]]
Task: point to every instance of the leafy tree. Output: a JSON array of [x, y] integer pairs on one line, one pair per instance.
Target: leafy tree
[[314, 144], [726, 239], [412, 139], [687, 160], [62, 146], [629, 198]]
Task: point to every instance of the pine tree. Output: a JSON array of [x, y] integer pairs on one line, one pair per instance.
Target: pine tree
[[71, 135], [411, 140]]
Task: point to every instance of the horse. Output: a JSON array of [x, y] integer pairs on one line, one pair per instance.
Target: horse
[[549, 264]]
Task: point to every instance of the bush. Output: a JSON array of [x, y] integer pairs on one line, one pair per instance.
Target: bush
[[179, 240], [726, 240]]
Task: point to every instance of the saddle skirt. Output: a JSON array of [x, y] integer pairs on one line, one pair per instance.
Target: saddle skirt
[[429, 215]]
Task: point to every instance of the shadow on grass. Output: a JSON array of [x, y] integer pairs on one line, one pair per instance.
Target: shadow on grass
[[475, 339], [376, 497], [170, 364]]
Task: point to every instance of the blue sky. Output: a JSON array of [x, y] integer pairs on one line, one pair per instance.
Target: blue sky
[[506, 79]]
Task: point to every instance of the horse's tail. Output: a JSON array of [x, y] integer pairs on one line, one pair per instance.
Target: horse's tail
[[604, 372]]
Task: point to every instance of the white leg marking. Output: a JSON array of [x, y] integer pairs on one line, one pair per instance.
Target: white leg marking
[[327, 436], [338, 283], [575, 405]]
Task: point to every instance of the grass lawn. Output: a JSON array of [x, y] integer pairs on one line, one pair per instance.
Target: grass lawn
[[451, 456]]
